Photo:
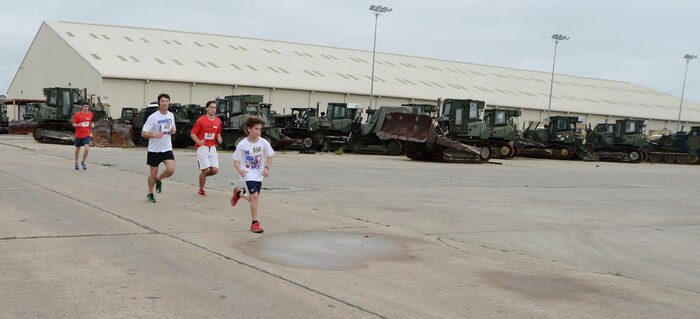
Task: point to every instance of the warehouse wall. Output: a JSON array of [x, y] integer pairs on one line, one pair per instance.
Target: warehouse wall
[[138, 93], [120, 93], [51, 62]]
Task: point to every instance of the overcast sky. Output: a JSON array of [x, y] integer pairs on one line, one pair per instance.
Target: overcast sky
[[638, 41]]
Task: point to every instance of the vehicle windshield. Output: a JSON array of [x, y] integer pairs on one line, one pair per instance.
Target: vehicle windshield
[[500, 118], [447, 108], [220, 106], [473, 111], [630, 127]]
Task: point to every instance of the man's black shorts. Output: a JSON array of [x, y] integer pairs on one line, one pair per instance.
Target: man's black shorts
[[154, 159]]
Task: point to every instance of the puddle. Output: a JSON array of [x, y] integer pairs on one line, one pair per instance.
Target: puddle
[[324, 250]]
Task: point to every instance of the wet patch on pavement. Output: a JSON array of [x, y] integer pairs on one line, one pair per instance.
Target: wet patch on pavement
[[324, 250], [539, 288]]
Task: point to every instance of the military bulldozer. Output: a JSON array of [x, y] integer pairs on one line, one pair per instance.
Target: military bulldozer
[[328, 132], [622, 141], [364, 139], [460, 122], [233, 110], [427, 137], [681, 148], [302, 125], [560, 138], [53, 118], [25, 111]]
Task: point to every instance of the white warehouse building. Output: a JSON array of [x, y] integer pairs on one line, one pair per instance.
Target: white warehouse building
[[129, 66]]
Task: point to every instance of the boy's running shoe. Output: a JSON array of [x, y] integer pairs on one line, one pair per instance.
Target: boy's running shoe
[[201, 193], [84, 166], [255, 227], [76, 167], [150, 198], [236, 196], [159, 186]]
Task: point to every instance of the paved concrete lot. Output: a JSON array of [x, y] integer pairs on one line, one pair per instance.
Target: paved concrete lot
[[346, 236]]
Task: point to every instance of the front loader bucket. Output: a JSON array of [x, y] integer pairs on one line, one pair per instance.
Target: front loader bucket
[[112, 133], [408, 127]]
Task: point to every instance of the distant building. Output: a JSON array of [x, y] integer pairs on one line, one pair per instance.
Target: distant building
[[130, 66]]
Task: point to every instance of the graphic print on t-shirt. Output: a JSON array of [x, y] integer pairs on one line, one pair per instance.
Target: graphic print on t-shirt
[[164, 126], [253, 157]]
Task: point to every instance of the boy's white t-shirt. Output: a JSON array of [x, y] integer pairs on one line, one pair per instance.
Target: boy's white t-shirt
[[158, 122], [253, 157]]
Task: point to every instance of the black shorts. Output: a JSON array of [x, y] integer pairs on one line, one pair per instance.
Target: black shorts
[[154, 159], [253, 187], [82, 141]]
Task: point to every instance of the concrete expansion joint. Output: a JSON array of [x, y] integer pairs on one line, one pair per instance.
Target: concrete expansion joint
[[277, 276], [71, 236]]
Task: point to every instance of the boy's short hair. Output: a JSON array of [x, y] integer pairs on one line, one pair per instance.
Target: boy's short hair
[[253, 120], [84, 103], [163, 95]]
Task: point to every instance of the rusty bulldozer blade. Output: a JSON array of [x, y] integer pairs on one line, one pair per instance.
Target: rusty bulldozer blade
[[420, 133], [112, 133], [408, 127]]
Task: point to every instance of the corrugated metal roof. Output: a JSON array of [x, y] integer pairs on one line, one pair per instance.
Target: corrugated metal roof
[[140, 53]]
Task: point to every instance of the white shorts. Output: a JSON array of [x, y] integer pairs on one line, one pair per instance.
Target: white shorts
[[207, 157]]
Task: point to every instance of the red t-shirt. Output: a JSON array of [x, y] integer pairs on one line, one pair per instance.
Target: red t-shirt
[[84, 120], [207, 130]]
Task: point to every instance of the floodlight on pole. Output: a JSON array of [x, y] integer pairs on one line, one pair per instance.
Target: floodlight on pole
[[377, 11], [557, 37], [687, 58]]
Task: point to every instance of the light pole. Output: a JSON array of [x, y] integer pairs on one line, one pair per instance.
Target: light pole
[[377, 11], [557, 37], [687, 58]]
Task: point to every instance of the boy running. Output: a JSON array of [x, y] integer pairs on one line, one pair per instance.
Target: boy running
[[205, 133], [83, 121], [252, 159]]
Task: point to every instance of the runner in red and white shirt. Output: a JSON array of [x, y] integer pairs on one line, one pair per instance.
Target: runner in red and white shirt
[[205, 134], [83, 121]]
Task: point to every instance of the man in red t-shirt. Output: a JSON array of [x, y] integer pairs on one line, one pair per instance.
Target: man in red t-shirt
[[83, 121], [205, 133]]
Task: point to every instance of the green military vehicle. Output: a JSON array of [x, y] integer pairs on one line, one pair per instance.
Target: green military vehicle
[[495, 135], [445, 138], [364, 139], [53, 118], [622, 141], [681, 148], [328, 131], [502, 132], [233, 110], [302, 125], [559, 138], [185, 117]]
